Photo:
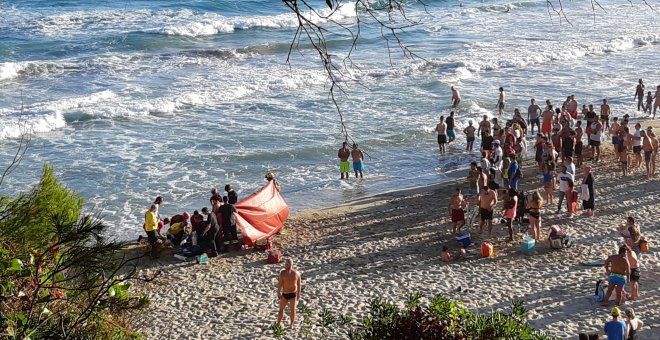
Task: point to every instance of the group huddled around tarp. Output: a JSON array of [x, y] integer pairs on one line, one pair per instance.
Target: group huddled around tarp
[[258, 217]]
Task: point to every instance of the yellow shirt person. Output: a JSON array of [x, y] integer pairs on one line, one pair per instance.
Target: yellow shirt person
[[151, 221]]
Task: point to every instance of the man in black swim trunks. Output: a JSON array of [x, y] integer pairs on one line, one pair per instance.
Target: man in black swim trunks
[[487, 200], [288, 291], [441, 129]]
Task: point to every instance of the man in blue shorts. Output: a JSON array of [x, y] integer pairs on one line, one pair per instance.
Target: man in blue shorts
[[358, 157], [617, 268], [451, 123], [344, 166]]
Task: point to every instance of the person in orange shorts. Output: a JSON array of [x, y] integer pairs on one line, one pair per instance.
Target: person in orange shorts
[[548, 116]]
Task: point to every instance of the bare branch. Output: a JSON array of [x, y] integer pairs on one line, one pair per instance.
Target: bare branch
[[23, 143]]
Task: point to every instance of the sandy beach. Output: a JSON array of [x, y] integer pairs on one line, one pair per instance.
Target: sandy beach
[[388, 246]]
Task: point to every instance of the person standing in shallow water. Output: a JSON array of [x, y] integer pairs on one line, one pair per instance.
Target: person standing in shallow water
[[500, 101], [441, 129], [639, 95], [289, 286], [358, 157], [455, 97], [344, 165], [451, 123]]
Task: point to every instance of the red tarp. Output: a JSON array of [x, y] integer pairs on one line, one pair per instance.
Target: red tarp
[[262, 214]]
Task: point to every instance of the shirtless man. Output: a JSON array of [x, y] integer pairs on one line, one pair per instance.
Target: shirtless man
[[639, 95], [484, 126], [358, 157], [617, 268], [456, 213], [572, 107], [500, 101], [451, 124], [548, 116], [605, 114], [469, 135], [657, 101], [455, 97], [647, 146], [441, 129], [344, 166], [487, 200], [288, 291], [533, 113], [614, 132], [634, 272]]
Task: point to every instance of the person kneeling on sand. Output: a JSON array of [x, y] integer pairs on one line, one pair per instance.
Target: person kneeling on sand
[[288, 291], [617, 268]]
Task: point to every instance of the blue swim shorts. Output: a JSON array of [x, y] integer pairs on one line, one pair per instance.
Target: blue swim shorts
[[451, 133], [358, 166], [616, 279]]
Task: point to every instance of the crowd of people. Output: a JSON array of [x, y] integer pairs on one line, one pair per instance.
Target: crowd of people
[[564, 139], [215, 226]]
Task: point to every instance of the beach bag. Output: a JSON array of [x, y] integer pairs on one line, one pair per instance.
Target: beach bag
[[584, 192], [486, 249], [643, 246], [274, 256], [263, 244], [601, 287]]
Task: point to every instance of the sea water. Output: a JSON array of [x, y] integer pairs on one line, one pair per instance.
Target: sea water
[[133, 99]]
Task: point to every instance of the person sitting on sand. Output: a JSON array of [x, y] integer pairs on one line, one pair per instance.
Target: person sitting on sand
[[456, 213], [633, 323], [289, 286], [617, 268], [487, 200], [616, 329], [445, 256], [469, 132]]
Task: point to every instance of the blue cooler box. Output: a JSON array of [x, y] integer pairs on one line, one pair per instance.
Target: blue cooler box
[[528, 245], [464, 239]]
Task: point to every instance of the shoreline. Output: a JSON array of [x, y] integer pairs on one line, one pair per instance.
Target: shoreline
[[388, 245]]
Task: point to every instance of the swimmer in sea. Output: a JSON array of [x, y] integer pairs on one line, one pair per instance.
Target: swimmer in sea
[[455, 97]]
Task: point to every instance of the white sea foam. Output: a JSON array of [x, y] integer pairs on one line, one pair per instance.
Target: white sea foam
[[183, 22]]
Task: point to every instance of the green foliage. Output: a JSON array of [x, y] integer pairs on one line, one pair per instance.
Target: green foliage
[[441, 319], [28, 219], [59, 276]]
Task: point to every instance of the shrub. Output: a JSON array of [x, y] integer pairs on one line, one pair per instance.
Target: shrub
[[60, 276]]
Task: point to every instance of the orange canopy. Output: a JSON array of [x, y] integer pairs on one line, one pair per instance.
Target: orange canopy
[[261, 214]]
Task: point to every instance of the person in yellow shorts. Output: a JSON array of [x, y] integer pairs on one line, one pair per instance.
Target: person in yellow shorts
[[344, 165]]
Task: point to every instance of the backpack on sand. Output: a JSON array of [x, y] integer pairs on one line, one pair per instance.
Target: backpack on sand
[[601, 287], [274, 256]]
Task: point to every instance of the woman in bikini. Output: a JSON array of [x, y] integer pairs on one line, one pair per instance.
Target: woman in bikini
[[534, 207]]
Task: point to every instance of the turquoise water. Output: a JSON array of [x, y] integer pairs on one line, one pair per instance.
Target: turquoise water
[[133, 99]]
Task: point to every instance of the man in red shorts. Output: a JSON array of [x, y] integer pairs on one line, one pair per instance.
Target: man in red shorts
[[456, 210]]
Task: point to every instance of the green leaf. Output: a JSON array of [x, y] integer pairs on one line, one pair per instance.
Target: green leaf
[[16, 265], [45, 298]]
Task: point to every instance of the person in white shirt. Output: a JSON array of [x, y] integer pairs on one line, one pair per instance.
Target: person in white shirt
[[564, 179], [637, 145], [570, 168], [496, 156]]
